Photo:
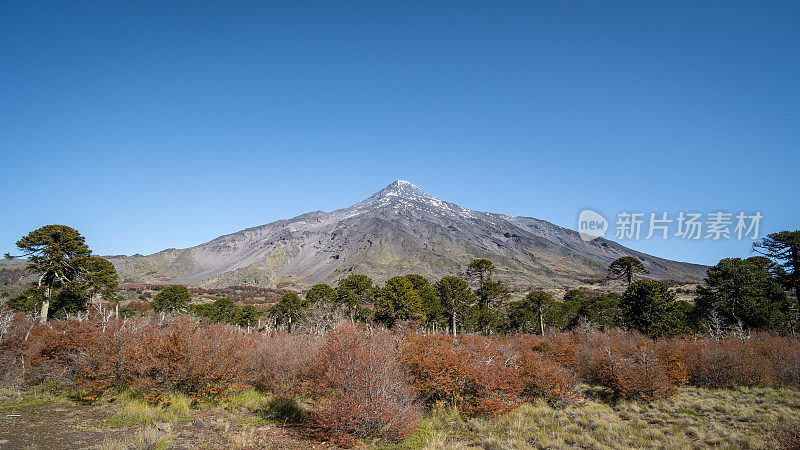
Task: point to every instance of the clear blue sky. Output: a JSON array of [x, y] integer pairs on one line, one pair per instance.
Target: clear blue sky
[[148, 125]]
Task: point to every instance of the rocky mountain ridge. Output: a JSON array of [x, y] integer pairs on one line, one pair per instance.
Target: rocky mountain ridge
[[400, 229]]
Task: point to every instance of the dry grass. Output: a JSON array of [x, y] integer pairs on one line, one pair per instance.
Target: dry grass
[[146, 439], [16, 398], [244, 438], [247, 401], [695, 418], [133, 410]]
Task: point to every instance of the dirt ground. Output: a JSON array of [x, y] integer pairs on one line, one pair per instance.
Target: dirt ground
[[67, 425]]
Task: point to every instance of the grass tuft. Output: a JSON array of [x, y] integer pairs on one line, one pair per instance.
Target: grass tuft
[[284, 409], [133, 410], [145, 439]]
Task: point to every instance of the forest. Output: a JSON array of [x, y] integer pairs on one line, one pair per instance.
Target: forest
[[360, 364]]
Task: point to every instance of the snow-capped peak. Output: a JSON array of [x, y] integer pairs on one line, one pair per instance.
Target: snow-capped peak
[[402, 188]]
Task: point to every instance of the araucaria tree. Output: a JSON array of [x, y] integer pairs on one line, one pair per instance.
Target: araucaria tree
[[398, 300], [784, 248], [429, 301], [743, 292], [531, 310], [490, 295], [288, 311], [58, 253], [353, 293], [455, 298], [172, 298], [626, 267], [319, 294], [648, 306], [101, 278]]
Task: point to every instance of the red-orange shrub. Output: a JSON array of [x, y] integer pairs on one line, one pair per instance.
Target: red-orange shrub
[[543, 377], [628, 363], [368, 391], [95, 355], [439, 369], [729, 362], [285, 363], [482, 375], [786, 437]]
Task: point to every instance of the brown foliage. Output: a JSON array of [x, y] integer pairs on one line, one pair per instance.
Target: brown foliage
[[631, 365], [786, 437], [762, 360], [285, 363], [95, 355], [371, 383], [368, 391], [486, 376]]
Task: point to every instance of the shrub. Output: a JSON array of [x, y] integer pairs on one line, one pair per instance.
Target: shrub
[[439, 370], [484, 376], [285, 363], [630, 364], [93, 355], [786, 437], [369, 394], [543, 377], [762, 360]]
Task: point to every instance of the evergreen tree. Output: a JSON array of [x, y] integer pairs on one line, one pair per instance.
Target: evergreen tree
[[173, 298], [320, 293], [648, 306], [101, 279], [529, 314], [429, 301], [248, 317], [601, 311], [398, 300], [490, 295], [58, 253], [288, 311], [455, 298], [744, 292], [353, 293], [784, 248], [626, 267]]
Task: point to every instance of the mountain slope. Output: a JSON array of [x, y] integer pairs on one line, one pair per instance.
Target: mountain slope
[[398, 230]]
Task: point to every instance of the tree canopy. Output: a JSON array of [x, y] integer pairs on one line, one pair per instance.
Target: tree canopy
[[172, 298], [58, 253], [626, 267], [648, 306], [398, 300], [743, 292], [288, 311], [455, 299], [784, 248]]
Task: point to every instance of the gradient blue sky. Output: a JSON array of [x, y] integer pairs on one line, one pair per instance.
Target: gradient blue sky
[[148, 125]]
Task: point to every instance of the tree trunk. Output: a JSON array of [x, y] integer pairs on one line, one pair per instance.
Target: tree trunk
[[541, 322], [46, 305], [453, 324], [116, 310], [796, 275]]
